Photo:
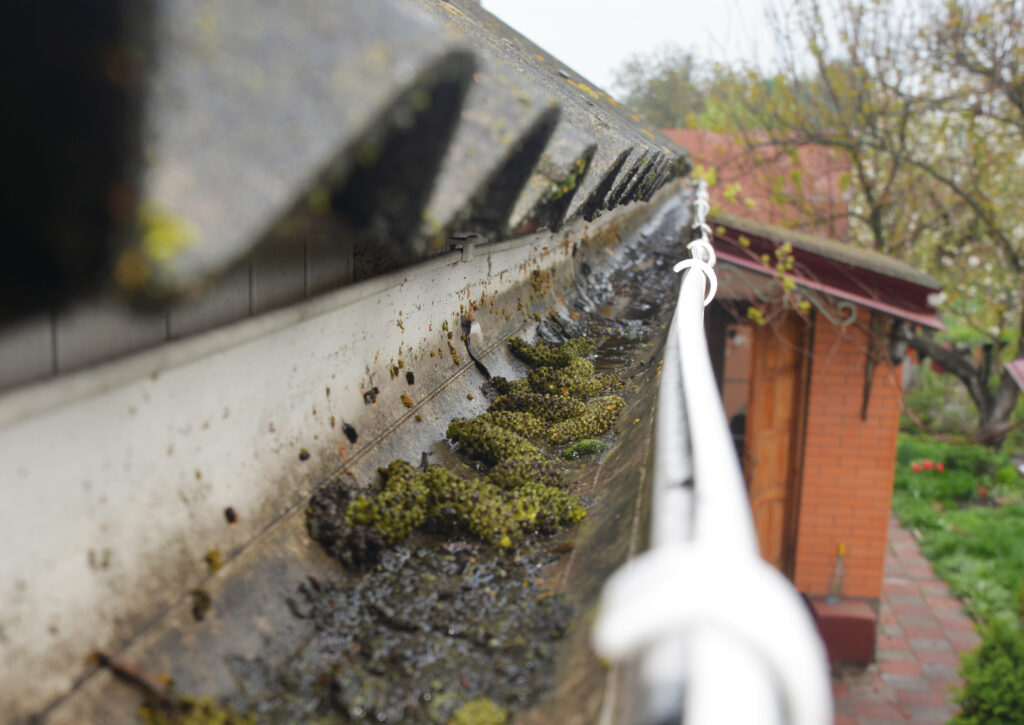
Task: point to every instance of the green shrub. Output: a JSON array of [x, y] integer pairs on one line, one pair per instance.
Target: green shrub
[[993, 674], [976, 459], [1009, 477], [914, 448]]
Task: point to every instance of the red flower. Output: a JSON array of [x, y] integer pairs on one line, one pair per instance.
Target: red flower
[[915, 467], [940, 467], [928, 465]]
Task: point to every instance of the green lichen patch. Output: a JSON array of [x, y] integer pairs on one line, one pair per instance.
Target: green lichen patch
[[585, 447], [545, 354], [600, 417]]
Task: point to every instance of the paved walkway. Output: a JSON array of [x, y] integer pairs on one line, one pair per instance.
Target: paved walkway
[[921, 633]]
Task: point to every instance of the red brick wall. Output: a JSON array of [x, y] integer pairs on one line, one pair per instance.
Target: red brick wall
[[848, 464]]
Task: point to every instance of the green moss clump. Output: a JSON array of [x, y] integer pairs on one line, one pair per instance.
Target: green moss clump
[[473, 507], [398, 509], [196, 711], [525, 424], [542, 405], [585, 447], [543, 508], [577, 380], [516, 498], [600, 417], [547, 355], [516, 472], [504, 386], [488, 442], [481, 711]]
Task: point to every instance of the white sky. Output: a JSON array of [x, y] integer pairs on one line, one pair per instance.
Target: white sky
[[595, 36]]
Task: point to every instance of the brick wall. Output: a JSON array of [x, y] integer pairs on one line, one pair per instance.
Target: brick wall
[[848, 464]]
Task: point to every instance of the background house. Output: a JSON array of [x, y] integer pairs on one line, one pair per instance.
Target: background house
[[807, 338]]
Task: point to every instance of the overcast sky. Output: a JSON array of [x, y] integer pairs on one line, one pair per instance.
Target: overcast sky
[[595, 36]]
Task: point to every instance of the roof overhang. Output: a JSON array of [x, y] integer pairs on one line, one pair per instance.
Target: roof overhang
[[817, 271]]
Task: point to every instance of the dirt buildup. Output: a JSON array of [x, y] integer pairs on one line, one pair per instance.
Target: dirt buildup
[[355, 546], [436, 634]]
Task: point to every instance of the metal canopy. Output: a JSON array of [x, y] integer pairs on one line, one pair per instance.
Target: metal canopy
[[849, 273]]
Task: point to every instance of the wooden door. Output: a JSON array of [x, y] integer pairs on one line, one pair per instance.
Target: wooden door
[[774, 436]]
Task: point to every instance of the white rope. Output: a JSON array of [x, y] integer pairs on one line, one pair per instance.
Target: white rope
[[701, 610], [701, 266], [703, 253]]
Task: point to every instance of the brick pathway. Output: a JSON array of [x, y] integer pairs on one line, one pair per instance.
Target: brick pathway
[[921, 632]]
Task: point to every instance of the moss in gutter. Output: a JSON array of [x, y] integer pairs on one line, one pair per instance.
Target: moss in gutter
[[195, 711], [545, 354], [585, 447]]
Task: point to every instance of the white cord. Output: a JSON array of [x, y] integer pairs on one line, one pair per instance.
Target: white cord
[[701, 249], [702, 266]]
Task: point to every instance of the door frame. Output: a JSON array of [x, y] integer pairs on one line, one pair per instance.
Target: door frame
[[798, 431]]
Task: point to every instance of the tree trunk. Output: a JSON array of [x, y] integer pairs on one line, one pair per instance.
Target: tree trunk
[[994, 408], [993, 428]]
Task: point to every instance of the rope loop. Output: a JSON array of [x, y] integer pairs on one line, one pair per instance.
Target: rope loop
[[705, 268], [702, 250]]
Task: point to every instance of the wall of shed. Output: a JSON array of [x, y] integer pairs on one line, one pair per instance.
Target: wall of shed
[[848, 464]]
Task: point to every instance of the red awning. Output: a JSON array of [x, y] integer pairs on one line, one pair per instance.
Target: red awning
[[928, 319], [859, 276]]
